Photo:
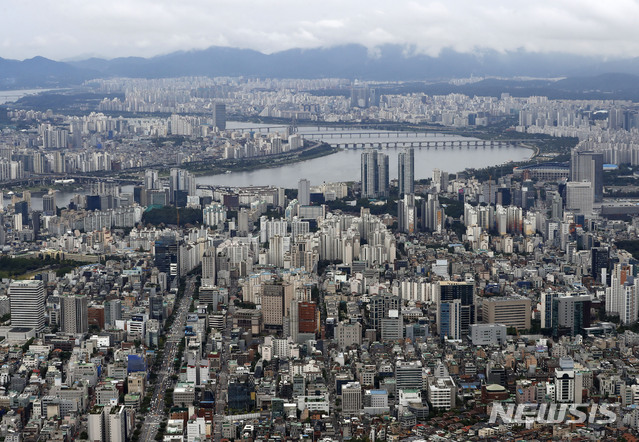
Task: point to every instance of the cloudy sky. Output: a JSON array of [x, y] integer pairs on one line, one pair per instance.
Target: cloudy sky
[[71, 29]]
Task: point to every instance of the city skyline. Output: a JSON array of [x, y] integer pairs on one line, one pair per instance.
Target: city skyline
[[154, 28], [226, 245]]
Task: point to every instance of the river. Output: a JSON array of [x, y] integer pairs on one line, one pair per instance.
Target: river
[[15, 95], [345, 165]]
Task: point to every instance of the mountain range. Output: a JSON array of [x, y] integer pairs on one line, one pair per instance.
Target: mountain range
[[387, 63]]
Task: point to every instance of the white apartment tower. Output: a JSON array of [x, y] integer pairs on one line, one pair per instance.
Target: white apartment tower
[[622, 295]]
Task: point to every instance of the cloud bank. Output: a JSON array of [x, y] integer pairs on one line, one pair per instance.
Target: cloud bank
[[118, 28]]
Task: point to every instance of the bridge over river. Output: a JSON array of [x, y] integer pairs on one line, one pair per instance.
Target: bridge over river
[[447, 144]]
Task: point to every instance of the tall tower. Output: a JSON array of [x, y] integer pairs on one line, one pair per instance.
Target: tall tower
[[406, 172], [49, 204], [450, 291], [600, 265], [27, 304], [374, 174], [151, 179], [588, 166], [181, 184], [304, 192], [219, 116], [112, 311], [75, 313], [208, 266], [579, 197], [440, 180]]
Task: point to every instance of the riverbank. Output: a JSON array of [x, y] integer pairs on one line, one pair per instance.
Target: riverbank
[[39, 190], [308, 152]]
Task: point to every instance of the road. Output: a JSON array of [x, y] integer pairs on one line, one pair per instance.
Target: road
[[222, 377], [174, 335]]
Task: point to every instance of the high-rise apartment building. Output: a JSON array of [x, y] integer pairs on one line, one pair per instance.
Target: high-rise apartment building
[[433, 216], [304, 192], [181, 185], [74, 314], [27, 304], [112, 311], [622, 297], [406, 172], [407, 214], [440, 180], [151, 179], [374, 174], [208, 267]]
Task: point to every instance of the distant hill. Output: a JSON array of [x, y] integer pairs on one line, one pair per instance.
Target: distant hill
[[41, 72], [388, 63]]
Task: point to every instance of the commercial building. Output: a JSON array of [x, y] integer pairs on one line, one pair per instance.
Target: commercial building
[[447, 292], [449, 321], [352, 398], [348, 333], [275, 299], [571, 314], [27, 304], [588, 166], [408, 375], [579, 197], [600, 264], [307, 314], [488, 334], [441, 392], [568, 386], [512, 312]]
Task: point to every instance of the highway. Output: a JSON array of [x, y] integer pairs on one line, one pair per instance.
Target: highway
[[163, 382]]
